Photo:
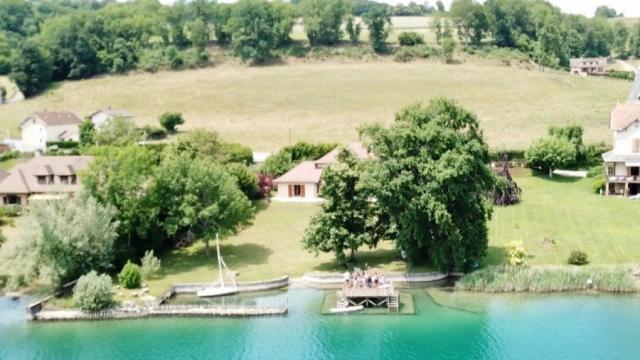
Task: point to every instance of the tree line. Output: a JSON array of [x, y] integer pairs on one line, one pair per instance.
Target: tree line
[[541, 30]]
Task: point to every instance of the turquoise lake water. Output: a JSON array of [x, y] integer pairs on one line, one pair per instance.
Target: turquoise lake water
[[574, 326]]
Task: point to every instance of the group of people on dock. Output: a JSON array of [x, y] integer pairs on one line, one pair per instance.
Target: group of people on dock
[[363, 279]]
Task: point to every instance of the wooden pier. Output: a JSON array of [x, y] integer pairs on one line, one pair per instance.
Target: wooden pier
[[384, 296]]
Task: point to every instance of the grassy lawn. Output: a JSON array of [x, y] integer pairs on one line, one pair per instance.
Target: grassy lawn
[[560, 215], [327, 100], [268, 249]]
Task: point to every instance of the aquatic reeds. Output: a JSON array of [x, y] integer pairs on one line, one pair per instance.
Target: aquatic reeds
[[549, 279]]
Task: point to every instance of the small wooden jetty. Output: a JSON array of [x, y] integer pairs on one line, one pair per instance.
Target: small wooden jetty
[[383, 296], [161, 311]]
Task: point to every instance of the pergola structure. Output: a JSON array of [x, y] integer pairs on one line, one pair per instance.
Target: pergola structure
[[383, 296]]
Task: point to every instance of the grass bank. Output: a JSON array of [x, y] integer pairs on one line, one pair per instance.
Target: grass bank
[[549, 279]]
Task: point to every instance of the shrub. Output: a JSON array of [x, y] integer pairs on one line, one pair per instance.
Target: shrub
[[154, 133], [515, 253], [93, 292], [150, 264], [170, 120], [405, 54], [551, 153], [410, 38], [247, 180], [12, 210], [598, 184], [578, 257], [237, 153], [130, 277], [619, 74]]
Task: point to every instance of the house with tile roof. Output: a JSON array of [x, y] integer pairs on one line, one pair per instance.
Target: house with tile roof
[[302, 183], [42, 176], [588, 66], [47, 126], [99, 117], [622, 163]]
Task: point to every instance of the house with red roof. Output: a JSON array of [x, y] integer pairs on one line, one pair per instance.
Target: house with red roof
[[302, 183], [622, 163]]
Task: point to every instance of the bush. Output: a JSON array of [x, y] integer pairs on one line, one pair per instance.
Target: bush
[[150, 264], [93, 292], [11, 210], [130, 277], [237, 153], [154, 133], [578, 257], [405, 54], [170, 120], [63, 144], [598, 185], [11, 154], [247, 180], [551, 153], [410, 38], [515, 253], [624, 75]]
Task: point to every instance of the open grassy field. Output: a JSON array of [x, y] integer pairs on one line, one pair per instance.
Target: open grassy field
[[560, 215], [268, 249], [327, 100]]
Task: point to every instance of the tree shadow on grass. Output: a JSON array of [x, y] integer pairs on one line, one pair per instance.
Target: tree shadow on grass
[[368, 258], [236, 256]]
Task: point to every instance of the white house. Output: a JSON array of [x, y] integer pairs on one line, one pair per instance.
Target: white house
[[622, 163], [302, 183], [588, 66], [99, 117], [45, 126]]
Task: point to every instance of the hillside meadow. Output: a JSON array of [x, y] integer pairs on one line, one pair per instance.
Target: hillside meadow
[[270, 106]]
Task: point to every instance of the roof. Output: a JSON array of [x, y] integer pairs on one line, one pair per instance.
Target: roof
[[624, 115], [53, 118], [23, 178], [116, 113], [356, 148], [310, 171], [577, 62], [611, 156]]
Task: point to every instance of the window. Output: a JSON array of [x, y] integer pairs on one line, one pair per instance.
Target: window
[[64, 179], [11, 200], [42, 180], [297, 190]]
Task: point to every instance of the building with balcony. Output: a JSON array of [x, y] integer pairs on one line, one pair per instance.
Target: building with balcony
[[622, 163]]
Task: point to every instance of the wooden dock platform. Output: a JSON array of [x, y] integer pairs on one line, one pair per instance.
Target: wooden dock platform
[[385, 296]]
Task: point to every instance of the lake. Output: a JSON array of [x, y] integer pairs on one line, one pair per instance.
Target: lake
[[567, 326]]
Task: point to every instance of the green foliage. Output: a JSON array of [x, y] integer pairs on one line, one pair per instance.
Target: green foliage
[[246, 179], [410, 38], [578, 257], [430, 179], [547, 279], [63, 240], [448, 48], [207, 143], [606, 12], [154, 133], [94, 292], [116, 132], [258, 27], [130, 276], [515, 253], [353, 29], [290, 156], [598, 185], [323, 19], [87, 133], [378, 21], [237, 153], [170, 120], [619, 74], [3, 94], [551, 153], [30, 68], [470, 19], [405, 54], [150, 265], [347, 218]]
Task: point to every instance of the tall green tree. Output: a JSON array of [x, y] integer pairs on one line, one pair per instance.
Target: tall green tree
[[431, 178], [30, 68], [64, 240], [621, 32], [471, 20], [353, 29], [347, 219], [117, 132], [606, 12], [323, 20], [378, 20], [87, 133]]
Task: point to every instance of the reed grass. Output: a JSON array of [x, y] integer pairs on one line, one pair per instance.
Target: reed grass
[[549, 279]]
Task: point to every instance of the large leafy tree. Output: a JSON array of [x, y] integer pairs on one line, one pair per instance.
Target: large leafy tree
[[117, 132], [123, 178], [348, 218], [378, 20], [64, 240], [551, 153], [471, 20], [431, 178], [30, 68], [323, 19]]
